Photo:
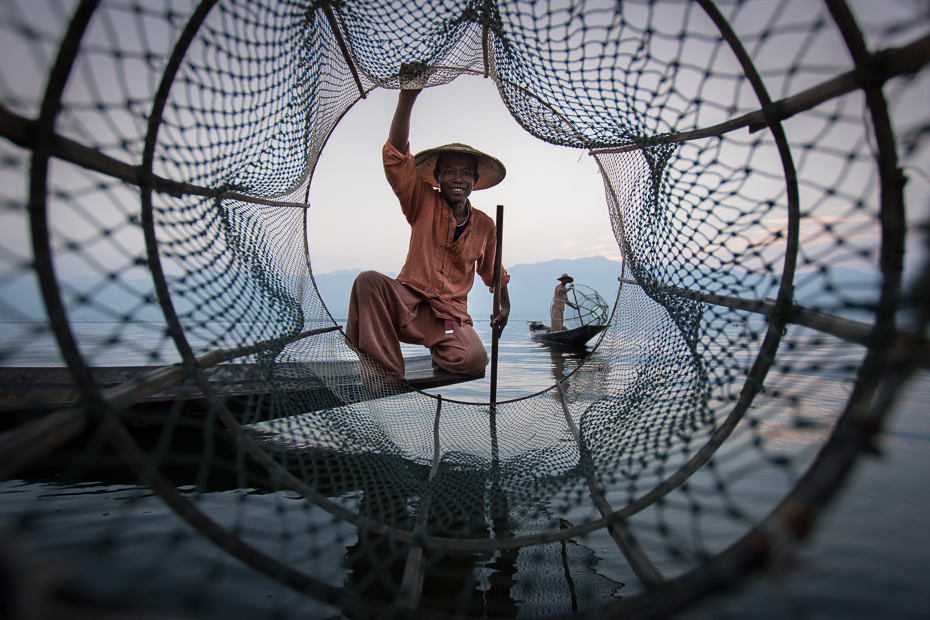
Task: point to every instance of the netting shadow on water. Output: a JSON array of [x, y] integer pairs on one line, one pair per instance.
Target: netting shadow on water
[[156, 159]]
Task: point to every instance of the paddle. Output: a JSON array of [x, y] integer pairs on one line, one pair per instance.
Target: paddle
[[496, 331]]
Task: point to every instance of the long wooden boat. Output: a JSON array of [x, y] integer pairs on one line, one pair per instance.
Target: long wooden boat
[[28, 393], [577, 336]]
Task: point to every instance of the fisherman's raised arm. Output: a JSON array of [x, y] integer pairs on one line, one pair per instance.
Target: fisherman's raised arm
[[400, 125], [413, 76]]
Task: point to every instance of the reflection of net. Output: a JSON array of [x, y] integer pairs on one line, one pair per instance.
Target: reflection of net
[[166, 155], [582, 306]]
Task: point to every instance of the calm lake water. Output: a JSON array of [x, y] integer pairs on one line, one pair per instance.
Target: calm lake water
[[868, 557]]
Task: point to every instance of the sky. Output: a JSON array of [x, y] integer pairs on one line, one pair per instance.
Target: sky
[[555, 206], [553, 197]]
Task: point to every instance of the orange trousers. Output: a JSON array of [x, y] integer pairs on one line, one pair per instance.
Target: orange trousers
[[384, 312]]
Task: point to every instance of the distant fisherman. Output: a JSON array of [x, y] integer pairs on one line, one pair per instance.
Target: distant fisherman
[[449, 240], [559, 299]]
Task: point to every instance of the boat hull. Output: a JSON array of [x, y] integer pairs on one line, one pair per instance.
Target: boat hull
[[577, 336]]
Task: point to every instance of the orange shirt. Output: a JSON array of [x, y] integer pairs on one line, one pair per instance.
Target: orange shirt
[[559, 297], [440, 269]]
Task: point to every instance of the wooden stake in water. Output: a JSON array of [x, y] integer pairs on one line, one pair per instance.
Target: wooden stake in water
[[496, 331]]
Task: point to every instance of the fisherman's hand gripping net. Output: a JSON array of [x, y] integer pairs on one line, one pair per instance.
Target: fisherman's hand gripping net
[[156, 159]]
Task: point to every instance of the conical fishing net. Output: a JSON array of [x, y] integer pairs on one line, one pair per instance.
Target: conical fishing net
[[765, 168], [581, 305]]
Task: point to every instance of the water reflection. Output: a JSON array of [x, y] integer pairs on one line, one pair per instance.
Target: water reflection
[[460, 504], [564, 359], [466, 501], [525, 366], [462, 501]]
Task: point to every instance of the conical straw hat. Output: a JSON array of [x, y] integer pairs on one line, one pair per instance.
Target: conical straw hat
[[490, 169]]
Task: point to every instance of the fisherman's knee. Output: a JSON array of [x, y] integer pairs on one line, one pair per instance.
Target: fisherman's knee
[[368, 278], [367, 283], [461, 360], [474, 361]]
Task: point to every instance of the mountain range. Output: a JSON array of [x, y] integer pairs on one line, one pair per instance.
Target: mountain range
[[531, 289]]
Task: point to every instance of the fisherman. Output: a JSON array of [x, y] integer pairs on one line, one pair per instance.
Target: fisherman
[[449, 240], [559, 299]]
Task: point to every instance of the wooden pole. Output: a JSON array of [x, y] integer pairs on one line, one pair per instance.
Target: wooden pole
[[845, 329], [633, 552], [895, 61], [334, 26], [411, 587], [496, 332]]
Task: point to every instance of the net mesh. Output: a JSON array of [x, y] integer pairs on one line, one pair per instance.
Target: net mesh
[[155, 167]]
